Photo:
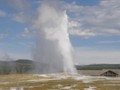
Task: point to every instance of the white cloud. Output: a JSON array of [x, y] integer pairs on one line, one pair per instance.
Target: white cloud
[[99, 20], [5, 56], [2, 13], [75, 28], [27, 33], [20, 17], [3, 36], [18, 4], [14, 56], [26, 44], [96, 56], [109, 42], [22, 10]]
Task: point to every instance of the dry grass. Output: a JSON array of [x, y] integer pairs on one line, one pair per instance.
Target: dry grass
[[17, 77], [16, 80]]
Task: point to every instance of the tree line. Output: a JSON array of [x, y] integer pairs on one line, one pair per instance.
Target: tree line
[[23, 66], [98, 66], [16, 67]]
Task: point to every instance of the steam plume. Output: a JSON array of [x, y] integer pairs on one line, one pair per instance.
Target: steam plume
[[53, 50]]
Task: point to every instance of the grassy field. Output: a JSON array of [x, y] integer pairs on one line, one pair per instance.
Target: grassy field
[[57, 82]]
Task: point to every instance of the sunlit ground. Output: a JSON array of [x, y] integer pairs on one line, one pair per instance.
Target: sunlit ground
[[57, 82]]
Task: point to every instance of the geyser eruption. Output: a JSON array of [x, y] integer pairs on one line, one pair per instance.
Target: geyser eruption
[[53, 49]]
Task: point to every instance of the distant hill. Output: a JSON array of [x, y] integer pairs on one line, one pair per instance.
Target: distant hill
[[24, 61], [98, 66]]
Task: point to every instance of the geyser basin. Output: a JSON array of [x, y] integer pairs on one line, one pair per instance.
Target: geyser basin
[[57, 82], [53, 49]]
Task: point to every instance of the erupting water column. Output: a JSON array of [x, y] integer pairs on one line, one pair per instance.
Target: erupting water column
[[53, 49]]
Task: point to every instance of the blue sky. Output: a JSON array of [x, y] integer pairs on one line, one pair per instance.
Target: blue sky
[[94, 28]]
